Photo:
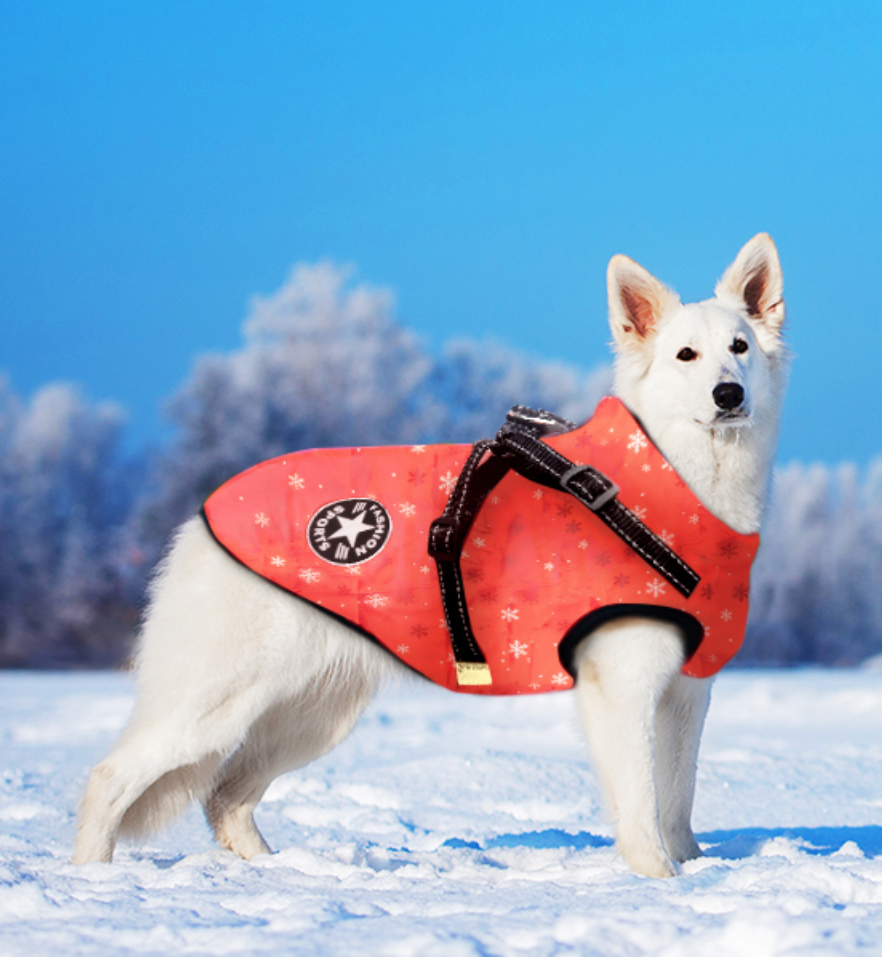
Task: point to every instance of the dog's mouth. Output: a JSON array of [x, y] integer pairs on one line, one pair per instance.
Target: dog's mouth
[[729, 418], [732, 417]]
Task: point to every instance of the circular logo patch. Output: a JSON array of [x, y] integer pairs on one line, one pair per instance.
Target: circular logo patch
[[349, 531]]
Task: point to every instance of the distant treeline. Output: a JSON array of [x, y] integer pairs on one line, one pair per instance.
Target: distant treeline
[[326, 364]]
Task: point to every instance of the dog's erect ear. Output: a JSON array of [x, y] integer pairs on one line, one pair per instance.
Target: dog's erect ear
[[756, 282], [636, 300]]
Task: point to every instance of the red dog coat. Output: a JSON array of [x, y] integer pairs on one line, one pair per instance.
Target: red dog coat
[[347, 530]]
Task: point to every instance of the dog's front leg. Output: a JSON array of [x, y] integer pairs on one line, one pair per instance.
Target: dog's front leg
[[679, 725], [624, 670]]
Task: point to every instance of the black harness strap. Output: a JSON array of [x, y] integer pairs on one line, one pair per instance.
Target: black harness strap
[[446, 537], [518, 445], [598, 493]]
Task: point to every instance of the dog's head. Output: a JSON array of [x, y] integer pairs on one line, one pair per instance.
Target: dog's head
[[718, 364]]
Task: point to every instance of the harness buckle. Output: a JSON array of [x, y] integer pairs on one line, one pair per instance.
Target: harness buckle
[[596, 503]]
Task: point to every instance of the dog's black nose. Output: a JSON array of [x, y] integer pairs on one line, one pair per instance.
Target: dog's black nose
[[728, 396]]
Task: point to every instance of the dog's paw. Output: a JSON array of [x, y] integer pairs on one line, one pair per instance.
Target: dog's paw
[[648, 861], [683, 847]]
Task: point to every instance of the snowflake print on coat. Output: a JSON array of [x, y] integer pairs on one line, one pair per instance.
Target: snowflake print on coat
[[729, 548], [448, 483], [656, 587], [636, 441]]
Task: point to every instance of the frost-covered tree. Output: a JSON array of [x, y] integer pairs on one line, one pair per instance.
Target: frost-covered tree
[[476, 383], [817, 585], [64, 500]]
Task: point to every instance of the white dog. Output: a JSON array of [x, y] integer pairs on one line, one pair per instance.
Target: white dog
[[239, 682]]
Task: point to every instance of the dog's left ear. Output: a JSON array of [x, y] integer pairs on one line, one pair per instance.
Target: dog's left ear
[[756, 283]]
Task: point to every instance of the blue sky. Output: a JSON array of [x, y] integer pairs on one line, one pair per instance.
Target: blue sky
[[161, 162]]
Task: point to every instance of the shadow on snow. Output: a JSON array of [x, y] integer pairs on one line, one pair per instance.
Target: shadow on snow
[[824, 840], [547, 838]]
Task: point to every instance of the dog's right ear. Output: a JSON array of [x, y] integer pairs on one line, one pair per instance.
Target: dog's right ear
[[636, 301]]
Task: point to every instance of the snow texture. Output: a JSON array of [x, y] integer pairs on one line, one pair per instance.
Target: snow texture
[[452, 825]]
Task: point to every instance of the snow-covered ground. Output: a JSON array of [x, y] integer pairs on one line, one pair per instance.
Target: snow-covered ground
[[456, 825]]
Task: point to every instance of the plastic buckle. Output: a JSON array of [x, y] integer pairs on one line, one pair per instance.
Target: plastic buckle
[[596, 504]]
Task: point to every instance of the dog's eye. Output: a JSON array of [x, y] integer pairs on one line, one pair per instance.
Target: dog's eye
[[687, 354], [739, 346]]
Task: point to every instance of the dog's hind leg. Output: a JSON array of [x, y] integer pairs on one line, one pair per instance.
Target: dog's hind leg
[[220, 649], [624, 669], [679, 724], [289, 735], [210, 663], [144, 771], [159, 765]]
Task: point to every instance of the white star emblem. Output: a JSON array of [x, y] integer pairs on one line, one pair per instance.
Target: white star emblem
[[351, 529]]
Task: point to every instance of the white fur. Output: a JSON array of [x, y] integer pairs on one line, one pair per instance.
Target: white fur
[[239, 682]]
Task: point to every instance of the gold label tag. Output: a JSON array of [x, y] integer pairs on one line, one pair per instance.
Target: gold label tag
[[473, 673]]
